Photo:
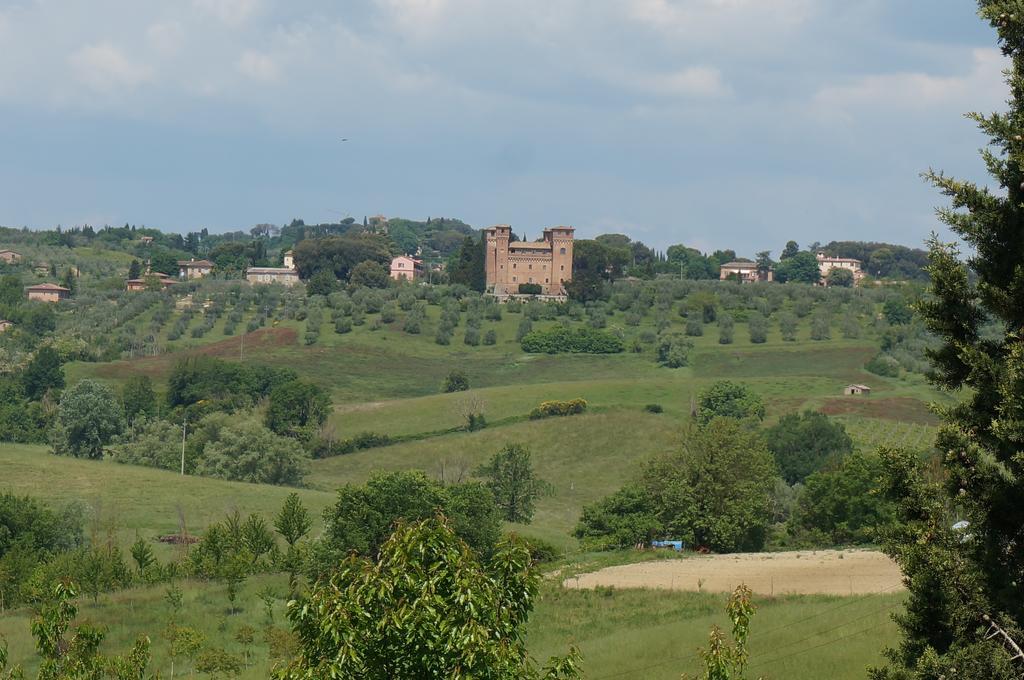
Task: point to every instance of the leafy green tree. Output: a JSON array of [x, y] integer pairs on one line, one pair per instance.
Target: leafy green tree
[[726, 399], [456, 381], [363, 516], [466, 266], [88, 418], [757, 325], [134, 270], [340, 254], [802, 444], [965, 585], [716, 491], [821, 326], [840, 278], [293, 523], [370, 274], [673, 350], [897, 312], [513, 482], [726, 328], [426, 590], [625, 519], [788, 326], [249, 452], [153, 443], [842, 506], [324, 282], [295, 406], [791, 249], [799, 268], [138, 397], [593, 263], [42, 374]]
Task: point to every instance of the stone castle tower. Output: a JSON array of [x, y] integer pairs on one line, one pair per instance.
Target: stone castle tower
[[547, 263]]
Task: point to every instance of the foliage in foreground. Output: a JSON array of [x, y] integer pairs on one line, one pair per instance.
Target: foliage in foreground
[[425, 608], [965, 612]]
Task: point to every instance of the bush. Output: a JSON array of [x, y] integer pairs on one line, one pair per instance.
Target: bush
[[821, 327], [674, 350], [727, 399], [364, 440], [524, 329], [491, 337], [443, 336], [694, 326], [725, 329], [548, 409], [654, 408], [472, 336], [530, 289], [884, 365], [788, 327], [758, 327], [574, 341], [456, 381]]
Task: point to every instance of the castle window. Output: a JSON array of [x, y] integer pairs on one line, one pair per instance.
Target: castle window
[[531, 279], [563, 267], [529, 266], [513, 279], [513, 265], [561, 251], [546, 281]]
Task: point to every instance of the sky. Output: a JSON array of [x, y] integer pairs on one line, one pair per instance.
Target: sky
[[716, 123]]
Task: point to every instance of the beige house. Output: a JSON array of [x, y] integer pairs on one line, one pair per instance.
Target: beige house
[[48, 292], [856, 389], [284, 275], [744, 271], [289, 259], [826, 263], [509, 264], [194, 269], [5, 325], [10, 256], [407, 268], [143, 282]]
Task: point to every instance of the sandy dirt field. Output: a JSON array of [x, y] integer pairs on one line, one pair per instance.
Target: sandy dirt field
[[830, 572]]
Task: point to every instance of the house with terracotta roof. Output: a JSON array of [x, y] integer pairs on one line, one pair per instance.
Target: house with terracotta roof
[[194, 269], [407, 268], [10, 256], [144, 282], [265, 275], [826, 263], [744, 271], [48, 292]]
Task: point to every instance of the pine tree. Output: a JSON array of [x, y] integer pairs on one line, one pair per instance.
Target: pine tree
[[965, 613]]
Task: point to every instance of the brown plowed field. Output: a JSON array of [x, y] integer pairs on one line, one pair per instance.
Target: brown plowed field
[[828, 572]]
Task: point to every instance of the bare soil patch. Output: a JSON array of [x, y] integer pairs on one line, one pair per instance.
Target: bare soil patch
[[905, 409], [806, 572]]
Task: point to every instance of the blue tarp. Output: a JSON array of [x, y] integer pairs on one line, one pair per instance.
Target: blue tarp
[[675, 545]]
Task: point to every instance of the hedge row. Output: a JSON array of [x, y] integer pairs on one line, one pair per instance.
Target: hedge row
[[571, 340], [363, 440], [558, 408]]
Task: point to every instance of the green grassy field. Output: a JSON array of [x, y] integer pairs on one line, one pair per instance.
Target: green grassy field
[[621, 633], [388, 381]]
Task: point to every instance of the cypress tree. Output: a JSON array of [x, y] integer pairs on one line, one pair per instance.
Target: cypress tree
[[965, 614]]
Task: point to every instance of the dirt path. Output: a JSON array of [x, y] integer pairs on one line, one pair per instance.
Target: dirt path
[[830, 572]]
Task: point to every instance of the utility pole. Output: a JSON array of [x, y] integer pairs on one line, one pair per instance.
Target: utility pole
[[241, 345], [184, 427]]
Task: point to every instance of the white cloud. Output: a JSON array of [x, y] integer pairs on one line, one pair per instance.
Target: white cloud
[[259, 66], [717, 20], [981, 88], [166, 37], [231, 12], [104, 68], [695, 81]]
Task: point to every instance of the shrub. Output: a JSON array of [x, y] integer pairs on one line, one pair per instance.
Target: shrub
[[574, 341], [343, 325], [725, 329], [884, 365], [674, 350], [364, 440], [443, 336], [472, 336], [548, 409], [821, 327], [758, 327], [456, 381], [787, 326], [529, 289], [491, 337], [694, 326], [525, 327], [654, 408]]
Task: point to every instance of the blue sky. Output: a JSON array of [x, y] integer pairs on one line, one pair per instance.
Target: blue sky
[[715, 123]]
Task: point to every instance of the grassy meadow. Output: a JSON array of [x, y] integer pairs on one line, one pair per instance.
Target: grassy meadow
[[389, 381]]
